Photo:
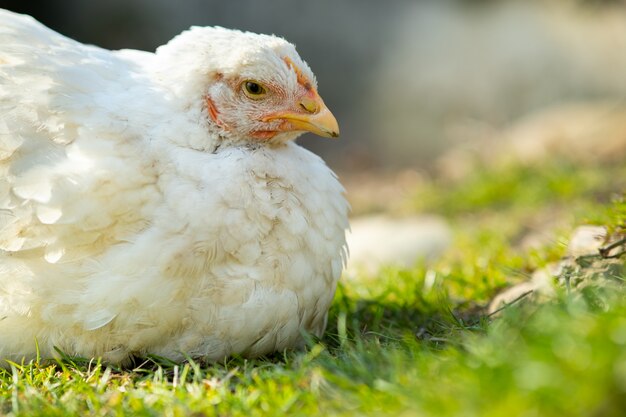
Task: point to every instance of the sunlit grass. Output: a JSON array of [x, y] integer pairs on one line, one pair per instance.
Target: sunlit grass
[[523, 187]]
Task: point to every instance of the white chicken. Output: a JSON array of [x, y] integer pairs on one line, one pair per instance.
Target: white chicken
[[156, 203]]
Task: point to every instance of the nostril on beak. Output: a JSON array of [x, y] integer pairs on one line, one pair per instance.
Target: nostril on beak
[[309, 105]]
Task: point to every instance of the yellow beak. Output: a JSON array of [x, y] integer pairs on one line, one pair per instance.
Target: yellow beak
[[314, 117]]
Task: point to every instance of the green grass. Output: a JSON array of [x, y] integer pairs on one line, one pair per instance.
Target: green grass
[[513, 187], [409, 342]]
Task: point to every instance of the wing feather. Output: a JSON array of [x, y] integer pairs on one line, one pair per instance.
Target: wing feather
[[68, 130]]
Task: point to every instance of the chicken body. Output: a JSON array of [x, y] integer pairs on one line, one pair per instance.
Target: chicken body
[[137, 219]]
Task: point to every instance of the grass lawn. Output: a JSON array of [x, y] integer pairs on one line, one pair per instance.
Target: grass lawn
[[412, 342]]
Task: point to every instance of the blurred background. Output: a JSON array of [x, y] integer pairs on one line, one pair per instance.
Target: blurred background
[[414, 84]]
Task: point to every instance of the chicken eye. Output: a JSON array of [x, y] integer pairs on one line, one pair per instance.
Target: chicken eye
[[253, 89]]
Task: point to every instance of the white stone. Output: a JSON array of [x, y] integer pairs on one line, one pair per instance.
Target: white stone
[[380, 240]]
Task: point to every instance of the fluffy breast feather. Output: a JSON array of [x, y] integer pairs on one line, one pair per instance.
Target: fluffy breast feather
[[251, 245]]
